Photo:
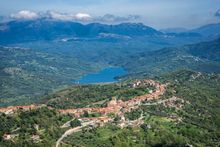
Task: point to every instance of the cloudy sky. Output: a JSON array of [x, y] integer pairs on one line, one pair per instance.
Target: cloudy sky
[[156, 13]]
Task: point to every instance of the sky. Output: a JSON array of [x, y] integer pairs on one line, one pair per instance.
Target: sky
[[155, 13]]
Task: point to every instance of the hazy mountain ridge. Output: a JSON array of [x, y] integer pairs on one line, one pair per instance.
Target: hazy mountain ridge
[[46, 29], [42, 29], [210, 30]]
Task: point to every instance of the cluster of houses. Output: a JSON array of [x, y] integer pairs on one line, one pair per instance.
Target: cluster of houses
[[96, 121], [113, 106], [116, 106], [13, 109]]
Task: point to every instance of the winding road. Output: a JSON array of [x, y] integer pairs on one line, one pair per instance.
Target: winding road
[[71, 131]]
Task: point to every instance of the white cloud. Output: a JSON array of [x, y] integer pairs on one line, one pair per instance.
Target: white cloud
[[25, 14], [83, 16], [67, 16], [59, 15]]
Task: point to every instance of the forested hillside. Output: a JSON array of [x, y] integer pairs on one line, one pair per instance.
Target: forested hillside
[[27, 74], [200, 57]]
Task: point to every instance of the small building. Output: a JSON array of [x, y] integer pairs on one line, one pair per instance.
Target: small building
[[112, 103], [6, 136], [9, 136], [35, 138]]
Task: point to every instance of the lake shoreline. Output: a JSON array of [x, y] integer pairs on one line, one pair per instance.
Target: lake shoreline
[[105, 76]]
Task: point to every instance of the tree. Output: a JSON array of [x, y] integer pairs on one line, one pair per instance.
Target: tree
[[117, 118], [85, 114], [75, 123]]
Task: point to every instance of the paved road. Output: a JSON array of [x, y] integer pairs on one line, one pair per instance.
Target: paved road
[[67, 124], [71, 131]]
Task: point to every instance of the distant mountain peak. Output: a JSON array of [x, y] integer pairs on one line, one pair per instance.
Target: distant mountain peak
[[51, 29], [212, 30]]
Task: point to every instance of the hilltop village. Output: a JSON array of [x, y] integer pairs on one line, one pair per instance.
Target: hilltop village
[[116, 107]]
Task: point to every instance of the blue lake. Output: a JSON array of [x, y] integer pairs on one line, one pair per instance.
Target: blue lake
[[104, 76]]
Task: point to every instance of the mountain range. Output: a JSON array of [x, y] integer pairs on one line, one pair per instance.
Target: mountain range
[[46, 29], [50, 29], [210, 30]]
